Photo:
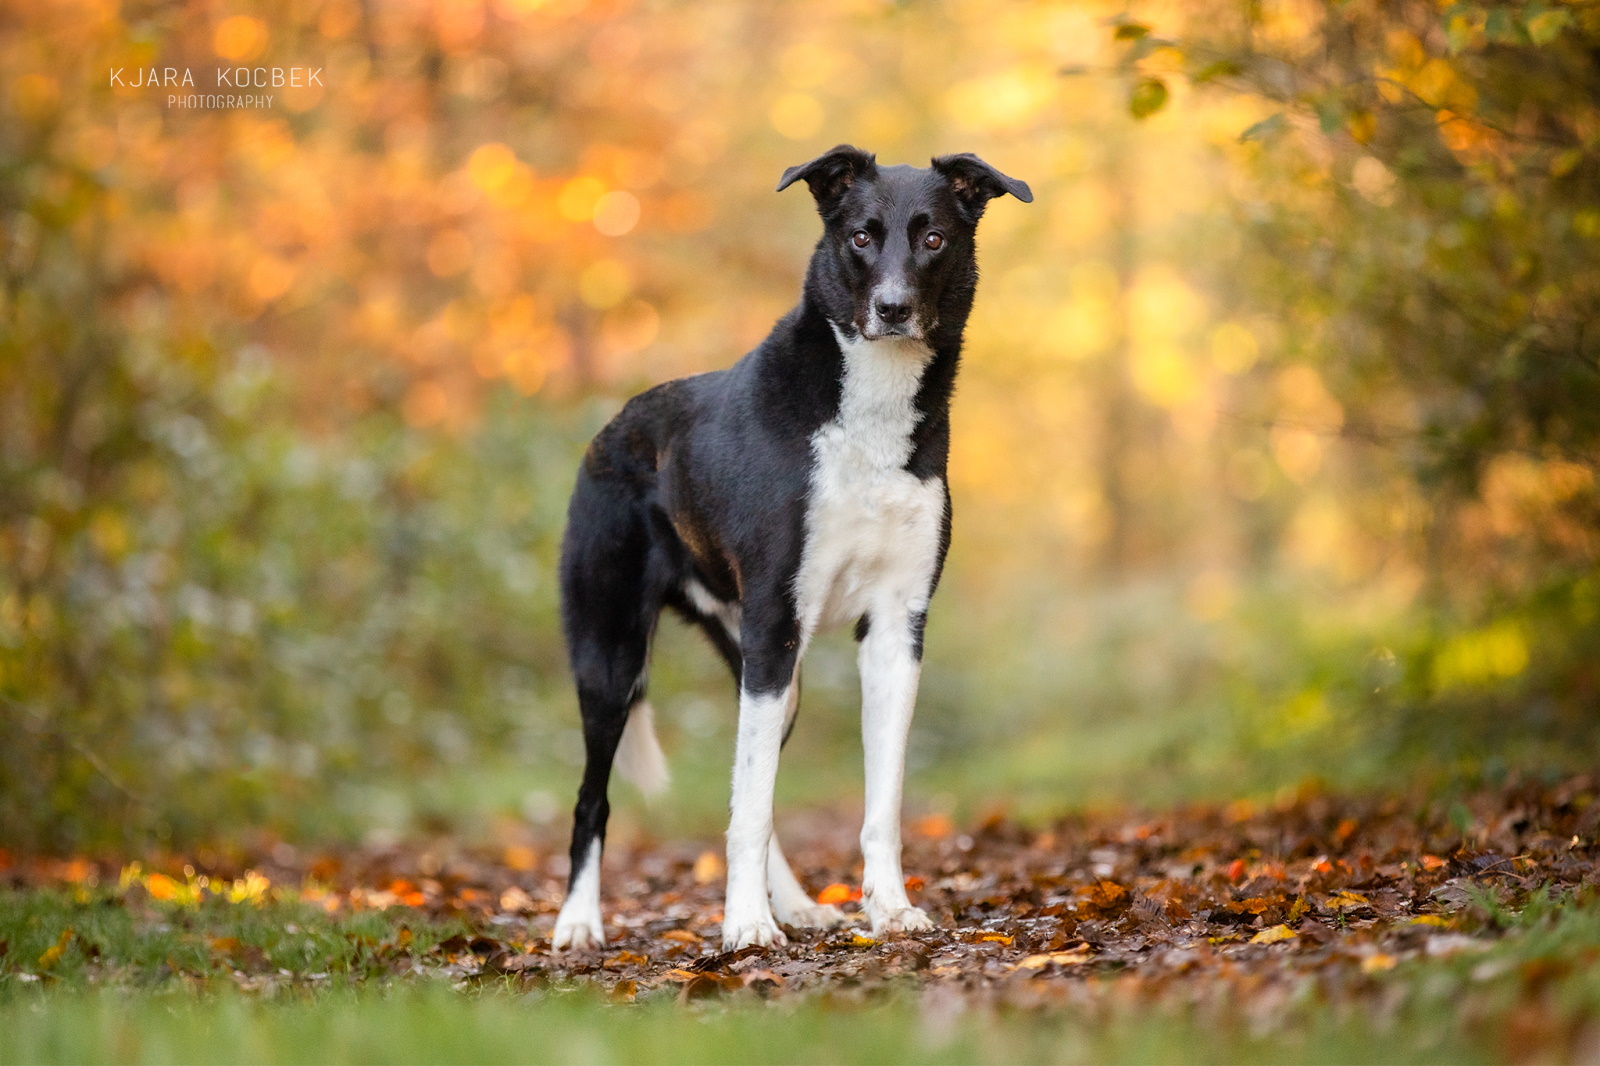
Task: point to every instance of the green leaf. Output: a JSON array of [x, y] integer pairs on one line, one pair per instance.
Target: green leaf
[[1221, 68], [1149, 95], [1270, 126], [1546, 27], [1499, 27], [1566, 162], [1330, 115], [1131, 31], [1458, 33]]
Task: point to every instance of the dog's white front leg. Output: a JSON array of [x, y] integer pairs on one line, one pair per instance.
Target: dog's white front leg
[[747, 914], [889, 673]]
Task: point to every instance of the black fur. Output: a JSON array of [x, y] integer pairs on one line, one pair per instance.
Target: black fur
[[705, 479]]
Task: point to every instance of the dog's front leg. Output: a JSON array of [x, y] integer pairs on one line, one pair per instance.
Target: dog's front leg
[[889, 673], [765, 696]]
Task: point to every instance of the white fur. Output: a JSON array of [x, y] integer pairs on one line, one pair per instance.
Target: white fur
[[889, 673], [639, 758], [790, 903], [872, 529], [747, 913], [727, 613], [872, 541], [578, 926]]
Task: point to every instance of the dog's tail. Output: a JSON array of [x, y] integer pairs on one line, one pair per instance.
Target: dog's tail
[[639, 757]]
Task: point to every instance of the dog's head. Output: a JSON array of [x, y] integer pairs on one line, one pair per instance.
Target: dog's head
[[898, 255]]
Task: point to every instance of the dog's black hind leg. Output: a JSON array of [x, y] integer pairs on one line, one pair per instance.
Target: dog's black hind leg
[[611, 590]]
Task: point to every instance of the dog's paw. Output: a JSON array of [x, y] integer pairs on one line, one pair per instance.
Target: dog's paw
[[908, 919], [811, 916], [575, 933], [763, 932]]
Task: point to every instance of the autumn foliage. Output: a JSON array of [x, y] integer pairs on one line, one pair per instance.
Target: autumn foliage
[[1274, 449]]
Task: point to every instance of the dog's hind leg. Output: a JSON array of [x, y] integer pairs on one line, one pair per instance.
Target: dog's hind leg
[[610, 589], [791, 904]]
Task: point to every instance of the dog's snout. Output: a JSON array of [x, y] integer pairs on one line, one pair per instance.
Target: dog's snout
[[892, 312]]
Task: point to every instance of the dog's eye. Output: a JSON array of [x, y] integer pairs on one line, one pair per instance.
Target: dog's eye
[[933, 242], [861, 238]]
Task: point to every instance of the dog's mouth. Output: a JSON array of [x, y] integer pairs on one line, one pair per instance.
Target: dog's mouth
[[877, 331]]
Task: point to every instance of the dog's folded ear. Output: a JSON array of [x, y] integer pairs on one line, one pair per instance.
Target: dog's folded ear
[[976, 183], [832, 172]]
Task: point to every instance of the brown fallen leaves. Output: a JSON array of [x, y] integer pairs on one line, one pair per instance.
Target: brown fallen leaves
[[1308, 886]]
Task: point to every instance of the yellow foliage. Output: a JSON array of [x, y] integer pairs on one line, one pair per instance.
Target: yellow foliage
[[1274, 934], [797, 115], [240, 38], [1482, 657]]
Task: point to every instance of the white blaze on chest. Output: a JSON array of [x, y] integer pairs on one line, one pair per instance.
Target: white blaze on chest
[[872, 529]]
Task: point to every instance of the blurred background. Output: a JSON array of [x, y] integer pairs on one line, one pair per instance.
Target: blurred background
[[1275, 441]]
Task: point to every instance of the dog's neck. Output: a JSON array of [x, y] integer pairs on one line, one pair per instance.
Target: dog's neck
[[925, 372]]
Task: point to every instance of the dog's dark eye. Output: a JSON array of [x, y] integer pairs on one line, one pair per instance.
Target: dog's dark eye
[[933, 242], [861, 238]]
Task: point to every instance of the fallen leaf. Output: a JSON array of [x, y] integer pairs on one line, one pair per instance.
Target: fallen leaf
[[1254, 905], [1236, 870], [708, 984], [837, 893], [750, 977], [1104, 899], [1347, 901], [1378, 962], [52, 954], [709, 867], [915, 884], [624, 958], [162, 887], [514, 900], [1075, 957], [933, 825], [1430, 919], [1273, 934], [520, 858], [1433, 862], [682, 935]]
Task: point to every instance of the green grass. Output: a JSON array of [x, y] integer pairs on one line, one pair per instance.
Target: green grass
[[437, 1025], [145, 983]]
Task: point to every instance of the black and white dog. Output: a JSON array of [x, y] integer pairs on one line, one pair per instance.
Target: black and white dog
[[802, 488]]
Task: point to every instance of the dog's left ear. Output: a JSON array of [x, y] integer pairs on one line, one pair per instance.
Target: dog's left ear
[[976, 183], [831, 173]]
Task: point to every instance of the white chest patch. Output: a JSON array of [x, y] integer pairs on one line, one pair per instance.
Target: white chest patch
[[872, 529]]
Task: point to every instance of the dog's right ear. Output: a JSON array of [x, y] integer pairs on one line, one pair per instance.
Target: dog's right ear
[[832, 172]]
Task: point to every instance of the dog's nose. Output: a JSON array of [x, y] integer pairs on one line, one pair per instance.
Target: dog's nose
[[893, 314]]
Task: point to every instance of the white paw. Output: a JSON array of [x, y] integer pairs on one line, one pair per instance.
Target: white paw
[[888, 921], [763, 932], [811, 916], [577, 933]]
